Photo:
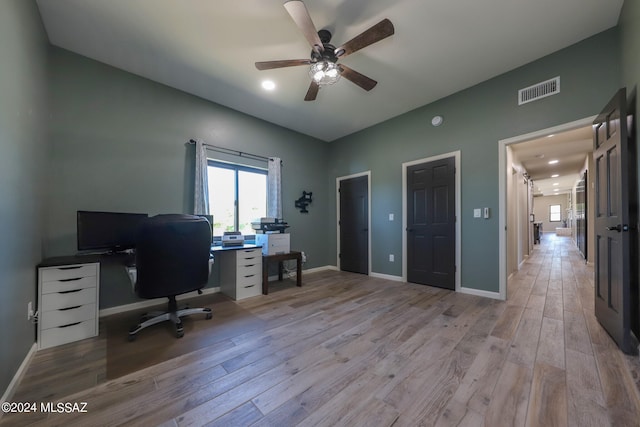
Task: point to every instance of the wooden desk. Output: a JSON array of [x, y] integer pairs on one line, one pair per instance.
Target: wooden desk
[[266, 259]]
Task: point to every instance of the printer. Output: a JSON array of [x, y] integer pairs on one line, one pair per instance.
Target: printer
[[271, 236], [232, 238], [269, 225]]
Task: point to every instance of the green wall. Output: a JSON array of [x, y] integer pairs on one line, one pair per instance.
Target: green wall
[[630, 43], [23, 149], [475, 120], [118, 144]]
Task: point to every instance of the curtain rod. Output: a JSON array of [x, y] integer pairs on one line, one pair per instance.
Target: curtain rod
[[232, 152]]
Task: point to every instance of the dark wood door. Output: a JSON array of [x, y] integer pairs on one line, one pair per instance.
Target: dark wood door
[[354, 225], [612, 221], [431, 230]]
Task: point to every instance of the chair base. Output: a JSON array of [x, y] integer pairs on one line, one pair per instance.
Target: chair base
[[174, 315]]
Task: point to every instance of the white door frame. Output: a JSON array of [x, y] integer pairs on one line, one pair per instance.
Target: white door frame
[[502, 188], [405, 166], [342, 178]]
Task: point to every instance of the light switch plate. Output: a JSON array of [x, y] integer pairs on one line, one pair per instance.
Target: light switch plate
[[477, 213]]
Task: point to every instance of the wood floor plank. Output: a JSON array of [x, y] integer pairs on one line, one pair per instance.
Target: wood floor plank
[[548, 402], [348, 349]]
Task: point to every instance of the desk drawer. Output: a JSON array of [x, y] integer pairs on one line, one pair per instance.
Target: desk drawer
[[68, 299], [248, 254], [248, 290], [61, 317], [68, 333], [68, 272], [248, 270], [57, 286]]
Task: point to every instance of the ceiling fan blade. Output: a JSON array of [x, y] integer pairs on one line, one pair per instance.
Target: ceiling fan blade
[[301, 17], [269, 65], [381, 30], [312, 92], [360, 79]]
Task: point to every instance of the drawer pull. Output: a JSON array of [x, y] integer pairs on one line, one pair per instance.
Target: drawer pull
[[69, 308], [250, 286], [70, 324], [71, 280], [249, 265], [70, 292], [73, 267], [251, 275]]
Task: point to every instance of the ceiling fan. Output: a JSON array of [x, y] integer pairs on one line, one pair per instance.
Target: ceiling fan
[[325, 69]]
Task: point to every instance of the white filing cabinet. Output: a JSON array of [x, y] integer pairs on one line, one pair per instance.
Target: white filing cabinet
[[240, 272], [67, 303]]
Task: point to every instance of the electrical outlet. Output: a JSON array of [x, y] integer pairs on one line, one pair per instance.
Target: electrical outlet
[[29, 310], [391, 258], [304, 257]]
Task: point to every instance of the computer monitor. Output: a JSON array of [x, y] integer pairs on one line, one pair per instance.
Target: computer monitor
[[108, 231]]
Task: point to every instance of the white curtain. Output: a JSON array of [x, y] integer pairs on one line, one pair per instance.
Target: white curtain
[[201, 190], [274, 188]]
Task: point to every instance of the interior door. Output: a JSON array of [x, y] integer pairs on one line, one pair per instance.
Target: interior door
[[581, 215], [612, 221], [354, 225], [431, 229]]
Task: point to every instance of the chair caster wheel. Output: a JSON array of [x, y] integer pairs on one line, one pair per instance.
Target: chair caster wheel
[[208, 316], [179, 333], [132, 337]]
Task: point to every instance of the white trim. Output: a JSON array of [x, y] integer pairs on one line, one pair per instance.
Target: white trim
[[386, 277], [479, 293], [502, 190], [456, 155], [151, 302], [342, 178], [13, 385], [323, 268]]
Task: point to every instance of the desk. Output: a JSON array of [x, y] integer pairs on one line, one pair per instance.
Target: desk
[[266, 259]]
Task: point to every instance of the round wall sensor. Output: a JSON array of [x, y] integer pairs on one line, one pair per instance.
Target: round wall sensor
[[437, 120]]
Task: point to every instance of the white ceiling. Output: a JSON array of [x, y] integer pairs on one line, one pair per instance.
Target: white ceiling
[[569, 148], [208, 48]]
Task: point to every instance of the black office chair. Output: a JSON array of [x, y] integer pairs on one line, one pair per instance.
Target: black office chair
[[172, 258]]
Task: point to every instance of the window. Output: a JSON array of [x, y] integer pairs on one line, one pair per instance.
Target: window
[[237, 196], [555, 213]]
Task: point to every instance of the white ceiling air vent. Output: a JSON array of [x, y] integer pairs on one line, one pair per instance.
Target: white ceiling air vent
[[539, 90]]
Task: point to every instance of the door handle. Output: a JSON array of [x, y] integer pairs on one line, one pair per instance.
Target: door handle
[[617, 228]]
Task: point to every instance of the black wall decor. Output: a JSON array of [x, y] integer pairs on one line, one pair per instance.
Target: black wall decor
[[304, 201]]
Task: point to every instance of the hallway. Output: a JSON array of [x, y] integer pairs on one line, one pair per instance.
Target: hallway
[[576, 365]]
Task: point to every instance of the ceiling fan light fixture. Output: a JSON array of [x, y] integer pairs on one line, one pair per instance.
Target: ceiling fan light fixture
[[324, 73]]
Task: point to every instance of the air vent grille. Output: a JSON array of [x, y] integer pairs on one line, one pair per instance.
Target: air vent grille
[[539, 90]]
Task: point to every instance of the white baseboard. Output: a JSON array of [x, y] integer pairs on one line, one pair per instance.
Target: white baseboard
[[386, 276], [480, 293], [149, 303], [8, 394]]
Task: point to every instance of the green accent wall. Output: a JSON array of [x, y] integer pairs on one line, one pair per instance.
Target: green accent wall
[[118, 144], [475, 120], [630, 45], [23, 150]]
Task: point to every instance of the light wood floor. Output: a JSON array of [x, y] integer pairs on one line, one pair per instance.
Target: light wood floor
[[347, 349]]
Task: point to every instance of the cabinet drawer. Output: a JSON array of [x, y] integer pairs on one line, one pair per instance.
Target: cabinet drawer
[[68, 272], [248, 270], [248, 290], [61, 317], [68, 333], [248, 254], [67, 299], [68, 285]]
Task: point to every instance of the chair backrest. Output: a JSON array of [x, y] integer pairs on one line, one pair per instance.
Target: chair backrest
[[172, 255]]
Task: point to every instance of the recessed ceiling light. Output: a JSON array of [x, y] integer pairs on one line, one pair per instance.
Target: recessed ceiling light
[[555, 175], [556, 183], [268, 85], [550, 136], [555, 189], [553, 162]]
